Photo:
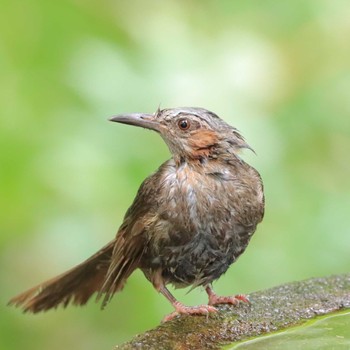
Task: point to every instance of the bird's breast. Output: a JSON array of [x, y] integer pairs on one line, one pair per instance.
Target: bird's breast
[[188, 195], [203, 222]]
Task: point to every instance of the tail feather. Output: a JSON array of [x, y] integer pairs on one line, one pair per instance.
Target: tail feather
[[76, 285]]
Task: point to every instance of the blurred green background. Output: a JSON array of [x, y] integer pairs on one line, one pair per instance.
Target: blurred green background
[[278, 71]]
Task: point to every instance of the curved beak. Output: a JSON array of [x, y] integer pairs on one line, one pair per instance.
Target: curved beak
[[147, 121]]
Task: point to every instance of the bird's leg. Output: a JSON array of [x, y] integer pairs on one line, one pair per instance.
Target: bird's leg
[[183, 309], [215, 299]]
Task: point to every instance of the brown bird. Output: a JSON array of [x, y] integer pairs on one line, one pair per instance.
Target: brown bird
[[189, 222]]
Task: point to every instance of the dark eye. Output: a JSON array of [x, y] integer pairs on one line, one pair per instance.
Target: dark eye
[[183, 124]]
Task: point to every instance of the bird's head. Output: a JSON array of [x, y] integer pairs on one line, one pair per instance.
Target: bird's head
[[190, 133]]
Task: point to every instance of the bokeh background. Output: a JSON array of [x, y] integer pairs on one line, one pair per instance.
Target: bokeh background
[[278, 71]]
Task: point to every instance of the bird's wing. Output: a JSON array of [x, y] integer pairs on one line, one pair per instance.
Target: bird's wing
[[132, 238]]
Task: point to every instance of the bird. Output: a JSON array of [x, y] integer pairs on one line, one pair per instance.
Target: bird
[[190, 220]]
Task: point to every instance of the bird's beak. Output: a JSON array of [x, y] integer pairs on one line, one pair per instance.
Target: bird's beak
[[147, 121]]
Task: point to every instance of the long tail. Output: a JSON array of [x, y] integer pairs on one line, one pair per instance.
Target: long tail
[[76, 285]]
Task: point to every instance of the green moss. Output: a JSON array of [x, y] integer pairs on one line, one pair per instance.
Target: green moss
[[269, 311]]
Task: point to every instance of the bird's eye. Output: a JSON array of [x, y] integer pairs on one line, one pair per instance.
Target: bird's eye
[[183, 124]]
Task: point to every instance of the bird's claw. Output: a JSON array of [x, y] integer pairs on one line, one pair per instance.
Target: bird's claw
[[190, 310], [233, 300]]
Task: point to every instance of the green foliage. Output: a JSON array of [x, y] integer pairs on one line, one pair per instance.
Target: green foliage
[[330, 332], [279, 72]]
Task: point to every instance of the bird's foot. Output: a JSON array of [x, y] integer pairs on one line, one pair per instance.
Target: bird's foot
[[215, 299], [181, 309]]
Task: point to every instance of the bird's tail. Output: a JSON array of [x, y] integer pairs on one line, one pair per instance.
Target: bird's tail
[[76, 285]]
